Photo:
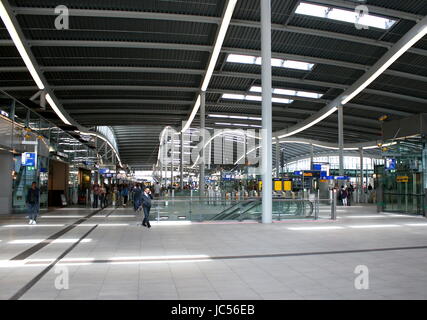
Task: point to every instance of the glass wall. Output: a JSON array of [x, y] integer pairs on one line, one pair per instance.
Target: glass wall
[[24, 131], [403, 178], [350, 163]]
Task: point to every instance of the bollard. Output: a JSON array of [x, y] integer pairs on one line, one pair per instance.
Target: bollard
[[334, 205]]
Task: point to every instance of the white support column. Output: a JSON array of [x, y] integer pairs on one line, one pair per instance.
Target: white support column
[[172, 155], [267, 201], [202, 151], [341, 139]]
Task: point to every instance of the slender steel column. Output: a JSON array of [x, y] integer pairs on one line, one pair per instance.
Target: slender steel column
[[311, 156], [277, 158], [202, 152], [172, 157], [266, 165], [181, 163], [341, 139], [361, 174]]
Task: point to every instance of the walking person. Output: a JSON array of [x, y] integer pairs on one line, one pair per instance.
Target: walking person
[[33, 203], [102, 196], [137, 197], [125, 195], [350, 191], [344, 196], [95, 191], [157, 189], [146, 206]]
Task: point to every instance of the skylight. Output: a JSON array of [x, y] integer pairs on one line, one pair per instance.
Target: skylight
[[253, 98], [280, 63], [287, 92], [234, 117], [349, 16]]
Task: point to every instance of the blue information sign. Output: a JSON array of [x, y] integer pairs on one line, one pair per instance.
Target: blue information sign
[[341, 178], [28, 159]]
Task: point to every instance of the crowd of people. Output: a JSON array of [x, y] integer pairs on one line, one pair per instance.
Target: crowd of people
[[104, 195], [345, 194]]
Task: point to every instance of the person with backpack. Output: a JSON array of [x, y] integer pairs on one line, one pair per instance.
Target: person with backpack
[[33, 202]]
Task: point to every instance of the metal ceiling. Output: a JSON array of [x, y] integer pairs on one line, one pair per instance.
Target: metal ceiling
[[137, 65]]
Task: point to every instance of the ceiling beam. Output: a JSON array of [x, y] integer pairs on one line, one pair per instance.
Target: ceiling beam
[[241, 23], [126, 101], [123, 87], [309, 59]]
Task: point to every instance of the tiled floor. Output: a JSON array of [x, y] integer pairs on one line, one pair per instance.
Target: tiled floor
[[290, 260]]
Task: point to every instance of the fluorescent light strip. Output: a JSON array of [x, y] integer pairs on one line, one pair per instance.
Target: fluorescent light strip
[[56, 109], [385, 66], [344, 16], [238, 124], [214, 58], [312, 123], [281, 63], [218, 43], [234, 117], [20, 46]]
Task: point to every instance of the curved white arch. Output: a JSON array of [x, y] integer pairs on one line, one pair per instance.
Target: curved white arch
[[397, 50]]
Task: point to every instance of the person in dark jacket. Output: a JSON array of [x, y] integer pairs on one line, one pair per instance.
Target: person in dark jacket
[[146, 206], [137, 197], [33, 202]]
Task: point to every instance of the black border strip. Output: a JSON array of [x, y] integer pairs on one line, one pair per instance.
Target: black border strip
[[37, 247], [33, 281]]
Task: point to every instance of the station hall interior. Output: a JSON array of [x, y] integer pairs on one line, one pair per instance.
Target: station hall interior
[[213, 149]]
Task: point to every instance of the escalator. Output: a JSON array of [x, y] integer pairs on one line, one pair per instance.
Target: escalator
[[237, 210], [252, 210]]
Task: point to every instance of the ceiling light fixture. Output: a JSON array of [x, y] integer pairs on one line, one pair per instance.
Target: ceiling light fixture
[[20, 46], [214, 58], [56, 109]]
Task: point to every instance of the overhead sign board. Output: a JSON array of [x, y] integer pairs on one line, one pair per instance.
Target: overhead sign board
[[402, 179], [28, 159], [341, 178]]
